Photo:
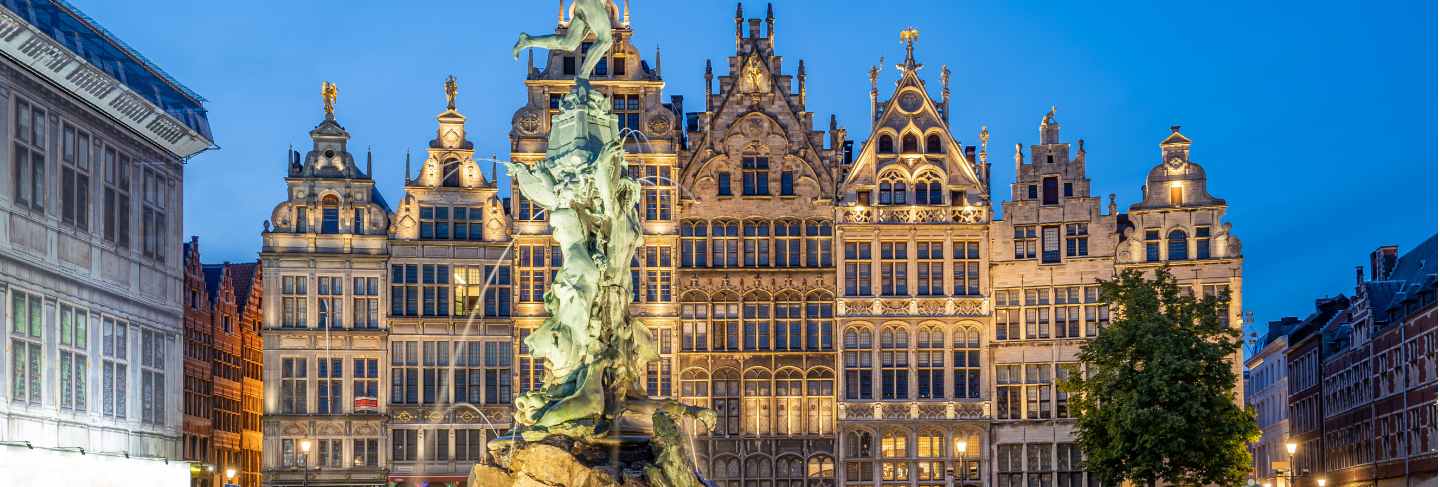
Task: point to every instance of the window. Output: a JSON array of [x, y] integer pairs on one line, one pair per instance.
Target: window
[[1177, 195], [115, 355], [658, 182], [858, 365], [909, 144], [757, 322], [894, 262], [497, 372], [450, 173], [693, 245], [366, 308], [619, 65], [419, 290], [1178, 245], [1050, 191], [1220, 292], [27, 369], [357, 226], [1202, 242], [886, 145], [659, 272], [293, 300], [725, 323], [1037, 313], [1152, 245], [894, 364], [818, 244], [930, 450], [930, 363], [658, 373], [1069, 190], [819, 322], [1031, 192], [155, 215], [526, 210], [966, 267], [757, 243], [930, 268], [367, 452], [1010, 466], [788, 335], [365, 381], [74, 358], [330, 215], [469, 445], [1039, 468], [892, 190], [694, 324], [330, 453], [1050, 244], [1067, 312], [75, 177], [1007, 314], [302, 220], [434, 372], [860, 456], [329, 389], [755, 175], [932, 144], [966, 363], [627, 110], [894, 448], [1063, 372], [28, 156], [403, 445], [928, 191], [294, 380], [532, 370], [1037, 391], [1007, 391], [757, 406], [117, 198], [725, 244], [820, 402], [452, 223], [722, 184], [787, 243], [858, 269], [328, 302], [537, 266], [1025, 242], [787, 183], [404, 372], [726, 402]]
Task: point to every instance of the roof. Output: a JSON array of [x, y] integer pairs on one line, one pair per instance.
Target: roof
[[243, 279], [82, 35], [1414, 272], [214, 273]]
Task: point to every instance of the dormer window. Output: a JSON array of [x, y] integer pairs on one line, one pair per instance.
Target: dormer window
[[450, 174], [1051, 191], [1177, 195], [886, 145], [932, 144], [330, 215], [910, 144], [619, 65]]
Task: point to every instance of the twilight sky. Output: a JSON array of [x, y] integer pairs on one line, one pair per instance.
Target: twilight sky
[[1316, 120]]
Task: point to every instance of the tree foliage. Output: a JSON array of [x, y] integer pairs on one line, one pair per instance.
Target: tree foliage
[[1157, 400]]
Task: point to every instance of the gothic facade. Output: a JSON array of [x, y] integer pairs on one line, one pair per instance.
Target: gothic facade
[[857, 312]]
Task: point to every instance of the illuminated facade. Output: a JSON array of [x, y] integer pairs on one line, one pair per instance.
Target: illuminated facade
[[854, 311]]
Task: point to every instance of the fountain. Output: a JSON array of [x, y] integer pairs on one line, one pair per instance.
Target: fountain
[[591, 423]]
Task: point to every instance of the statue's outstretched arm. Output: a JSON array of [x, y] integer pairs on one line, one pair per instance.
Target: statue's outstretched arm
[[538, 186]]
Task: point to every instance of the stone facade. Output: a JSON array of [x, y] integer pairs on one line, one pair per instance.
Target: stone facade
[[855, 316], [91, 270]]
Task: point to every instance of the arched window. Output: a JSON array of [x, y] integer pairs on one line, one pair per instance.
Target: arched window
[[820, 471], [930, 452], [725, 470], [930, 363], [927, 190], [329, 214], [693, 246], [757, 407], [966, 363], [858, 364], [725, 322], [789, 399], [820, 402], [695, 391], [819, 322], [787, 243], [757, 243], [756, 316], [894, 363], [892, 190], [909, 144], [894, 450], [725, 243], [932, 144], [694, 322], [818, 243], [788, 336], [1179, 245], [789, 471], [725, 399], [757, 471], [886, 145], [860, 456], [450, 174]]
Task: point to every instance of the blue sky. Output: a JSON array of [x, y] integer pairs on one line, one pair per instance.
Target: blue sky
[[1316, 120]]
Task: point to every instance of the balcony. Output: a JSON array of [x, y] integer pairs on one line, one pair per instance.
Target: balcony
[[915, 411], [912, 215]]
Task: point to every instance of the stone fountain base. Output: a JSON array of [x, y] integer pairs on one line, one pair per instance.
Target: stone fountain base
[[558, 461]]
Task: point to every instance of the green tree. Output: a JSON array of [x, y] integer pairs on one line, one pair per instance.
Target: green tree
[[1157, 400]]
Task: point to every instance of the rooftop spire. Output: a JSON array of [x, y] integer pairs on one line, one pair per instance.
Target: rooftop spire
[[909, 36], [770, 23], [739, 21], [657, 61], [560, 13], [626, 16]]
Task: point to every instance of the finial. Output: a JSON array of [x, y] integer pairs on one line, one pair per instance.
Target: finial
[[770, 22], [708, 70], [328, 93], [1049, 116], [560, 14], [451, 89], [984, 137], [407, 165], [1082, 146], [657, 60], [494, 166], [369, 162], [626, 16], [739, 11], [833, 124], [739, 20], [909, 36], [1175, 129], [1113, 206]]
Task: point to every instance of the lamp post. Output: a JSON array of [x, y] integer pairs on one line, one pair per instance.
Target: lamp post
[[230, 476], [1290, 447], [1320, 481], [305, 460]]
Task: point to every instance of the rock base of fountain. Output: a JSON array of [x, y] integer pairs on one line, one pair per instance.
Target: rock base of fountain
[[558, 461]]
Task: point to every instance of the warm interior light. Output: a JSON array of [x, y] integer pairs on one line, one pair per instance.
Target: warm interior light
[[230, 473]]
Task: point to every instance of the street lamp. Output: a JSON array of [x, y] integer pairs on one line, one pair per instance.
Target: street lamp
[[305, 460], [1290, 447], [1320, 481], [230, 475]]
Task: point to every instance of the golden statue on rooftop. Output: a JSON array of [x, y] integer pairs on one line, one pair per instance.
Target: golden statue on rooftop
[[328, 92], [451, 89]]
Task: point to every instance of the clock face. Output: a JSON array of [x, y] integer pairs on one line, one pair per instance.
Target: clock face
[[910, 101]]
